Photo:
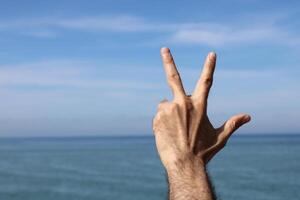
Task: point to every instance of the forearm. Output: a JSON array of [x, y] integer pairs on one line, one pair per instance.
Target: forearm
[[189, 181]]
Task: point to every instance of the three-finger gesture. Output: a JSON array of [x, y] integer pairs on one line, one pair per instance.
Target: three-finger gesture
[[181, 127]]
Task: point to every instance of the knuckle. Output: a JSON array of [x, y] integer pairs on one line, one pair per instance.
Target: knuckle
[[200, 105], [223, 144], [207, 81], [173, 106], [180, 101], [157, 117], [232, 125], [162, 104], [174, 77]]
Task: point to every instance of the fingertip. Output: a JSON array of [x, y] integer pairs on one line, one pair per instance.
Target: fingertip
[[212, 55], [166, 55], [164, 50], [243, 119], [247, 118]]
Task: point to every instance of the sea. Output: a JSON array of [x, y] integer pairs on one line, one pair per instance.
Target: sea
[[250, 167]]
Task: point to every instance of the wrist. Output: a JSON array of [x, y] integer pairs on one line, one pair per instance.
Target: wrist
[[187, 168], [188, 175]]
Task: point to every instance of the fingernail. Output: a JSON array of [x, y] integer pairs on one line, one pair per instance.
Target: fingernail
[[212, 55], [164, 50], [247, 118]]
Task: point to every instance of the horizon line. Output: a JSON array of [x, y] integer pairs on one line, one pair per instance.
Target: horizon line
[[135, 136]]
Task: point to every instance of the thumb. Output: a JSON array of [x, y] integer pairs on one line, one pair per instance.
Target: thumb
[[232, 125]]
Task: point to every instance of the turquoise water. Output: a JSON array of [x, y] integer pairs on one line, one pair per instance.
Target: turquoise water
[[250, 167]]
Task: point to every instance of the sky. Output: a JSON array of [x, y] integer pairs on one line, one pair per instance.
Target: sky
[[81, 68]]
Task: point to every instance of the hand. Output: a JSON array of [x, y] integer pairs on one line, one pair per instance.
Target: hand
[[182, 130]]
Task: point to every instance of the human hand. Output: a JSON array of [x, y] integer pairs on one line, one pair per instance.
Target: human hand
[[182, 130]]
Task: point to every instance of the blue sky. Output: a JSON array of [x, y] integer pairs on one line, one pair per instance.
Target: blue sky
[[93, 67]]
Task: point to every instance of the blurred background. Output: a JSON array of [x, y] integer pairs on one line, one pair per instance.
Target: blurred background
[[80, 81]]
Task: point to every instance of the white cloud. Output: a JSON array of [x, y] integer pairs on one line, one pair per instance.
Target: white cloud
[[114, 23], [88, 74], [66, 73], [94, 96], [221, 36], [118, 23], [197, 32]]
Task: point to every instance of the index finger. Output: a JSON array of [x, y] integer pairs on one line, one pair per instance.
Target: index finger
[[172, 74]]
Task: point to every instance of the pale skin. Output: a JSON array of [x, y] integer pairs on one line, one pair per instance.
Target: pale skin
[[185, 139]]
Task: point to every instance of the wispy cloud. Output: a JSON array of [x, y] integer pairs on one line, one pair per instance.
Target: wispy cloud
[[89, 74], [198, 32], [123, 23], [223, 36], [118, 23], [67, 85], [67, 73]]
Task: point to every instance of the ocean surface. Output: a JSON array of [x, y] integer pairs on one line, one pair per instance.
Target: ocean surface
[[128, 168]]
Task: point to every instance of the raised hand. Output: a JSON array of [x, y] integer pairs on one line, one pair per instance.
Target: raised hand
[[185, 138]]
